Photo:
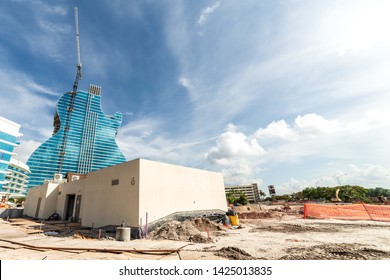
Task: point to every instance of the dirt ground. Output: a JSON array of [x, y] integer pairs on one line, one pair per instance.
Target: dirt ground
[[265, 233]]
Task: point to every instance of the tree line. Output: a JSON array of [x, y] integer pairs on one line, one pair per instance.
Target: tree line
[[346, 193]]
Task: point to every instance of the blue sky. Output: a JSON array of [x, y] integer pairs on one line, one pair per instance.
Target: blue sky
[[289, 93]]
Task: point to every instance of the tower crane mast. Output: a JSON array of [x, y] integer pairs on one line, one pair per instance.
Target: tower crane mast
[[78, 74]]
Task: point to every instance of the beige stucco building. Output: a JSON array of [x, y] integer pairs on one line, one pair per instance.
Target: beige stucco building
[[126, 192]]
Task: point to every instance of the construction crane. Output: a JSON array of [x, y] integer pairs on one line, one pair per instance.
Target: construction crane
[[62, 150], [78, 74]]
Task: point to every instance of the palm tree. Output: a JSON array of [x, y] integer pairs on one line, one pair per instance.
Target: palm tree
[[262, 194]]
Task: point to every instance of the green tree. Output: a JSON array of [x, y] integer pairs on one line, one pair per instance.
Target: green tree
[[17, 200], [284, 197], [235, 196], [309, 193], [242, 199], [378, 192], [353, 194], [347, 193]]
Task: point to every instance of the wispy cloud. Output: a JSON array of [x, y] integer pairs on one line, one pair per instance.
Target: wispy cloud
[[142, 139], [42, 6], [23, 84], [31, 98], [47, 29], [206, 12], [145, 138], [189, 86]]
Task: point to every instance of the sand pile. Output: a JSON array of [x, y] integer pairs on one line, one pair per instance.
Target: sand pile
[[197, 230], [234, 253]]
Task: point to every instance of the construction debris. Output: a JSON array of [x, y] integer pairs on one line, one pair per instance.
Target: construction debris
[[196, 230]]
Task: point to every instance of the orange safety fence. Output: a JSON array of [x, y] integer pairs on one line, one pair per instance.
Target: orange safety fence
[[347, 212]]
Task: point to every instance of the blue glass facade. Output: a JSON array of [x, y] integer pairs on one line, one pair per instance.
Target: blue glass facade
[[16, 178], [7, 144], [83, 139], [9, 132]]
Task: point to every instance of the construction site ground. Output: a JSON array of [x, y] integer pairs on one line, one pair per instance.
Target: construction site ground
[[265, 232]]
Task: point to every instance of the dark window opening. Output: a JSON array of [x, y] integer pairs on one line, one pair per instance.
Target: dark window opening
[[114, 182]]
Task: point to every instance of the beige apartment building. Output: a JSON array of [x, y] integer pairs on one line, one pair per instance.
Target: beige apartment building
[[128, 192], [251, 191]]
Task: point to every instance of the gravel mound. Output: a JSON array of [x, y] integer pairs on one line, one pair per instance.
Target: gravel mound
[[197, 230]]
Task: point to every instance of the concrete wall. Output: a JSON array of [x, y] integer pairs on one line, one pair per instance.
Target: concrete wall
[[105, 204], [48, 193], [167, 188]]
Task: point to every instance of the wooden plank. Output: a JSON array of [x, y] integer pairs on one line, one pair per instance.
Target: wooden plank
[[46, 227], [34, 231], [29, 238], [10, 246]]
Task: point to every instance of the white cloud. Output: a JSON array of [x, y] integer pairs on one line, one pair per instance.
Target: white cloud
[[238, 174], [292, 186], [310, 140], [372, 119], [206, 12], [315, 124], [26, 148], [367, 175], [232, 146], [358, 28], [234, 152], [296, 185], [276, 129]]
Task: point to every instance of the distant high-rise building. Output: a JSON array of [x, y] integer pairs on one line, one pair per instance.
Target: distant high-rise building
[[83, 139], [16, 178], [9, 133], [271, 189]]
